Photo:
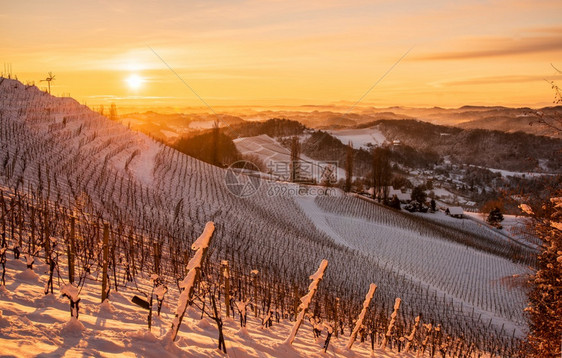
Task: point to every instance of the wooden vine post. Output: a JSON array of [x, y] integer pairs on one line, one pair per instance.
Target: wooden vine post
[[200, 246], [305, 300], [226, 276], [254, 274], [71, 250], [361, 317], [105, 262]]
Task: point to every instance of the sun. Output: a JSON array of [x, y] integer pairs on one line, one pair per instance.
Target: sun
[[134, 81]]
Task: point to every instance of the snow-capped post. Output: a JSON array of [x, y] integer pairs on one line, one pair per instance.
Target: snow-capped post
[[410, 338], [29, 261], [266, 320], [391, 323], [113, 245], [32, 237], [305, 300], [317, 326], [436, 332], [3, 262], [218, 320], [329, 332], [71, 292], [242, 306], [132, 254], [254, 274], [104, 288], [366, 303], [47, 238], [336, 318], [187, 285], [154, 279], [49, 259], [52, 264], [296, 303], [71, 250], [160, 292], [428, 328], [226, 276]]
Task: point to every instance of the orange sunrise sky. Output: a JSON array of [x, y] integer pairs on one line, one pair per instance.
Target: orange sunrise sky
[[287, 53]]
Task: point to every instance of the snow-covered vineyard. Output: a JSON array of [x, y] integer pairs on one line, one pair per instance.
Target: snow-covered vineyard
[[71, 178]]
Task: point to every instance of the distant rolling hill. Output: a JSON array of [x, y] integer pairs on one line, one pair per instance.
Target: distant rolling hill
[[488, 148], [469, 117]]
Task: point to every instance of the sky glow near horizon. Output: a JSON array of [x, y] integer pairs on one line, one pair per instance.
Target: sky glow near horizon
[[288, 53]]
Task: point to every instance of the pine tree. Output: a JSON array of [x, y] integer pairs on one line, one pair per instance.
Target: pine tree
[[395, 203], [418, 194], [495, 217]]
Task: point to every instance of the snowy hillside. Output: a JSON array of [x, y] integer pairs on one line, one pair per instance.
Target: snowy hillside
[[471, 277], [60, 160], [271, 153], [263, 146]]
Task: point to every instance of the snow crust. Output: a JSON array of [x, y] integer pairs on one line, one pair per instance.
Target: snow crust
[[33, 324]]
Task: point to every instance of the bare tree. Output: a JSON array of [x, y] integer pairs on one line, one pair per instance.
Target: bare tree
[[295, 153], [381, 173], [215, 145], [552, 120], [113, 112]]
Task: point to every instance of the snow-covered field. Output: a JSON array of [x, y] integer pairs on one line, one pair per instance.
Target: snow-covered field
[[272, 154], [507, 173], [514, 227], [33, 324], [265, 147], [469, 276]]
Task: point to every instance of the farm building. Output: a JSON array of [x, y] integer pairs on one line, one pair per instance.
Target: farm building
[[455, 211]]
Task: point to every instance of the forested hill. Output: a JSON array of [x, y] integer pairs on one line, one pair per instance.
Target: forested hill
[[488, 148], [518, 152], [274, 127]]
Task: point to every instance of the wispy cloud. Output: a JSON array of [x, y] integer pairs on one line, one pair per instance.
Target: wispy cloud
[[289, 51], [485, 80], [486, 47]]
